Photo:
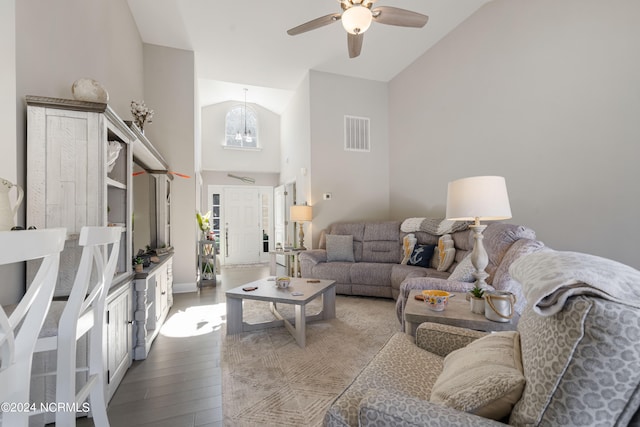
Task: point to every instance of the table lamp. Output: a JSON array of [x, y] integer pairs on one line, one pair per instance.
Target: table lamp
[[301, 214], [479, 198]]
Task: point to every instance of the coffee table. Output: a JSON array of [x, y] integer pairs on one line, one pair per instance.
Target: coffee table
[[457, 313], [267, 291]]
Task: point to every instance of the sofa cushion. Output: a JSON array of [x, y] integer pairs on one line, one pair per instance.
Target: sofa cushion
[[370, 273], [421, 255], [340, 248], [381, 251], [484, 378], [338, 271], [387, 230]]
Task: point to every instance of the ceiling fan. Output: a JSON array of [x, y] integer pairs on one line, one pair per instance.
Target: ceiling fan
[[356, 18]]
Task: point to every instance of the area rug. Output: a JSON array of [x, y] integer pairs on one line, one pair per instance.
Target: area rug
[[267, 380]]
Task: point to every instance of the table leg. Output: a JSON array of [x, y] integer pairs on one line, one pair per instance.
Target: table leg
[[272, 264], [301, 324], [234, 315], [329, 303]]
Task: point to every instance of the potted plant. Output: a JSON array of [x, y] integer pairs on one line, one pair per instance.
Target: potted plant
[[139, 264], [203, 223], [476, 298]]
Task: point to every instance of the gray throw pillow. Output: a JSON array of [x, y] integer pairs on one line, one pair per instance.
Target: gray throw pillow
[[340, 248]]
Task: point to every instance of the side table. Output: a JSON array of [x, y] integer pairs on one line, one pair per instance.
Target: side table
[[457, 313], [293, 253]]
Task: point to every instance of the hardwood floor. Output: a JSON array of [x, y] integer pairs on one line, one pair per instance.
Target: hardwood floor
[[180, 383]]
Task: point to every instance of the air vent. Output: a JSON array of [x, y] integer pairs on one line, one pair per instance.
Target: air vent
[[356, 134]]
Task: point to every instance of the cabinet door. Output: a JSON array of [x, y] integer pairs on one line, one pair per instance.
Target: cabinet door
[[119, 339], [161, 292]]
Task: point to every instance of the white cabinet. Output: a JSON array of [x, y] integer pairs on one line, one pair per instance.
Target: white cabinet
[[119, 348], [153, 299], [74, 179]]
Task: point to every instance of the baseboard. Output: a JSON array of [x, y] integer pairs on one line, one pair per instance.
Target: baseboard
[[181, 288]]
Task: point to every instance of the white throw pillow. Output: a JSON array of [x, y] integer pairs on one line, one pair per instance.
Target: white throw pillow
[[484, 378]]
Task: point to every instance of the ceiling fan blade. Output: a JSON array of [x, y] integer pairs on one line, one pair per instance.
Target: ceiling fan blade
[[354, 43], [314, 23], [401, 17]]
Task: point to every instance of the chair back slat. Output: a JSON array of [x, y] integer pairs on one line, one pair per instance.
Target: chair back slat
[[19, 332]]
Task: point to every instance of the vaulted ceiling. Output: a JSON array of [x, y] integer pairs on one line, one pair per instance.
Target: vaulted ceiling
[[243, 43]]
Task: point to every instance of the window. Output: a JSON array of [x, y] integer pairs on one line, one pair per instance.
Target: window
[[241, 128]]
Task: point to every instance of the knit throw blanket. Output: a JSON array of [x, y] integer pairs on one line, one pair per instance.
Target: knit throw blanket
[[435, 226], [549, 278]]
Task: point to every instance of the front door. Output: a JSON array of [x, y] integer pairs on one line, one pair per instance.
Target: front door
[[242, 225]]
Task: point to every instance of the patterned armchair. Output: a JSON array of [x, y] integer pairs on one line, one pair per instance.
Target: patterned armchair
[[581, 367]]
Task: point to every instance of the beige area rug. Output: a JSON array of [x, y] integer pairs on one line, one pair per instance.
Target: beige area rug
[[269, 381]]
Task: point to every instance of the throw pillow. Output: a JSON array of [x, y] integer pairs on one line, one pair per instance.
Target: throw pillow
[[421, 255], [408, 243], [463, 271], [340, 248], [444, 254], [484, 378]]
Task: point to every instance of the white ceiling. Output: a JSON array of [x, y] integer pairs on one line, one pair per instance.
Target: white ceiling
[[243, 43]]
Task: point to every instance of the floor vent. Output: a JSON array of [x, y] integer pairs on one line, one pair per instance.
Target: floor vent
[[356, 134]]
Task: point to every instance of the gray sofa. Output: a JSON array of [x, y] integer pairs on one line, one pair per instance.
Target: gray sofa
[[581, 367], [377, 270]]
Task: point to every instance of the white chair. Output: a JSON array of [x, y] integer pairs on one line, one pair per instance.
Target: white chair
[[82, 313], [19, 331]]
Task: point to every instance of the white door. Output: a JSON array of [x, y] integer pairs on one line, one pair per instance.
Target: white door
[[242, 225]]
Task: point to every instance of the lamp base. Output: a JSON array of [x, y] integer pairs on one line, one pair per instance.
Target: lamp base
[[301, 238], [479, 257]]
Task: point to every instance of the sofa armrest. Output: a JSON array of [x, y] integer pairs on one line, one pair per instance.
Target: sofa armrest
[[379, 408], [443, 339], [314, 256]]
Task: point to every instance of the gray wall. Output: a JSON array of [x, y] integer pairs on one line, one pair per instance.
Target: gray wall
[[359, 182], [59, 42], [545, 93], [55, 44], [169, 88], [9, 294], [296, 144]]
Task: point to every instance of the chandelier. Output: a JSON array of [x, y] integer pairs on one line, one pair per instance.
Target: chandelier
[[246, 136]]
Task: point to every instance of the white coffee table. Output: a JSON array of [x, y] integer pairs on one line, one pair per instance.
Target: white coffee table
[[267, 291]]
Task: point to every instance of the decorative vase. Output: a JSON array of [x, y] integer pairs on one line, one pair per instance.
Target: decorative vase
[[476, 304], [89, 90]]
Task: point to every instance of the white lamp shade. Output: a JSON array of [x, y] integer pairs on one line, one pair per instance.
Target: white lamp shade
[[481, 197], [301, 213], [356, 19]]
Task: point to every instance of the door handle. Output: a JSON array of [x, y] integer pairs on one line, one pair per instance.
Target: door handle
[[226, 240]]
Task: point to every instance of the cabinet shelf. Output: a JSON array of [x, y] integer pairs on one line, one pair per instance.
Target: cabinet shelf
[[116, 184]]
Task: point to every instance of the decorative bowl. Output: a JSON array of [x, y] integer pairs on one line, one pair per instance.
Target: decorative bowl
[[436, 300], [283, 282]]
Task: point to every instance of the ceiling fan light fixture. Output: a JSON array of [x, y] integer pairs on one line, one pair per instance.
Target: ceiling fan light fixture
[[356, 19]]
